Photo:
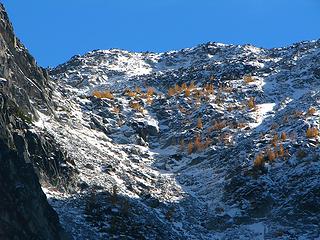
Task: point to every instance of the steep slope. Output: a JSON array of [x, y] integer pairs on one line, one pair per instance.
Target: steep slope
[[212, 142], [185, 145], [24, 91]]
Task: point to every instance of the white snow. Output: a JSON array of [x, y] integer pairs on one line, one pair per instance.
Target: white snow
[[263, 111]]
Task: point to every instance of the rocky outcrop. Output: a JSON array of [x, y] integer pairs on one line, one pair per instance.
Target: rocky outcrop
[[24, 210], [24, 90], [26, 81]]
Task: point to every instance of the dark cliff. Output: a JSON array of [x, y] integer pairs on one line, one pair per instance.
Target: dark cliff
[[25, 90]]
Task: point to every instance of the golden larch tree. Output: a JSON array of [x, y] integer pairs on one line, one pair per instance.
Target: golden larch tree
[[199, 123]]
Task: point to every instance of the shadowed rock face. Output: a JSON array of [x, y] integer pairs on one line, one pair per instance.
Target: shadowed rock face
[[24, 210]]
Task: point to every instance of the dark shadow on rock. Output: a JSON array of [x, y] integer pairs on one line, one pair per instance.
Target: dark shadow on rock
[[97, 214]]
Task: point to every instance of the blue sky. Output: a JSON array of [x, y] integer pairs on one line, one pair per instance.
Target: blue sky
[[55, 30]]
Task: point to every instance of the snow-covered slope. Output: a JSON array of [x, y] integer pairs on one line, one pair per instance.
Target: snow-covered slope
[[222, 156]]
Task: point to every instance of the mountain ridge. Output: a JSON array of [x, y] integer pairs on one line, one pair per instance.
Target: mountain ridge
[[187, 48]]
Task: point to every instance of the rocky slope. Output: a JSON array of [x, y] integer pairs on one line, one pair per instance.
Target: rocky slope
[[25, 91], [212, 142]]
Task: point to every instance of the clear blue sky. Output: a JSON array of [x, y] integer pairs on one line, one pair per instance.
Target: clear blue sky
[[55, 30]]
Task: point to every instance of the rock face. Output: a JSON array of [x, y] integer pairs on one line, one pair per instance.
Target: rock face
[[24, 210], [27, 80]]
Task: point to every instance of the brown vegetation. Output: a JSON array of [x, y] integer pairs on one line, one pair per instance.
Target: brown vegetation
[[187, 92], [184, 86], [219, 125], [199, 123], [209, 88], [177, 88], [298, 114], [259, 161], [150, 91], [103, 94], [251, 103], [138, 90], [149, 100], [190, 147], [116, 110], [281, 151], [136, 106], [171, 92], [197, 144], [312, 132], [311, 111], [271, 155], [283, 136], [130, 93], [248, 79]]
